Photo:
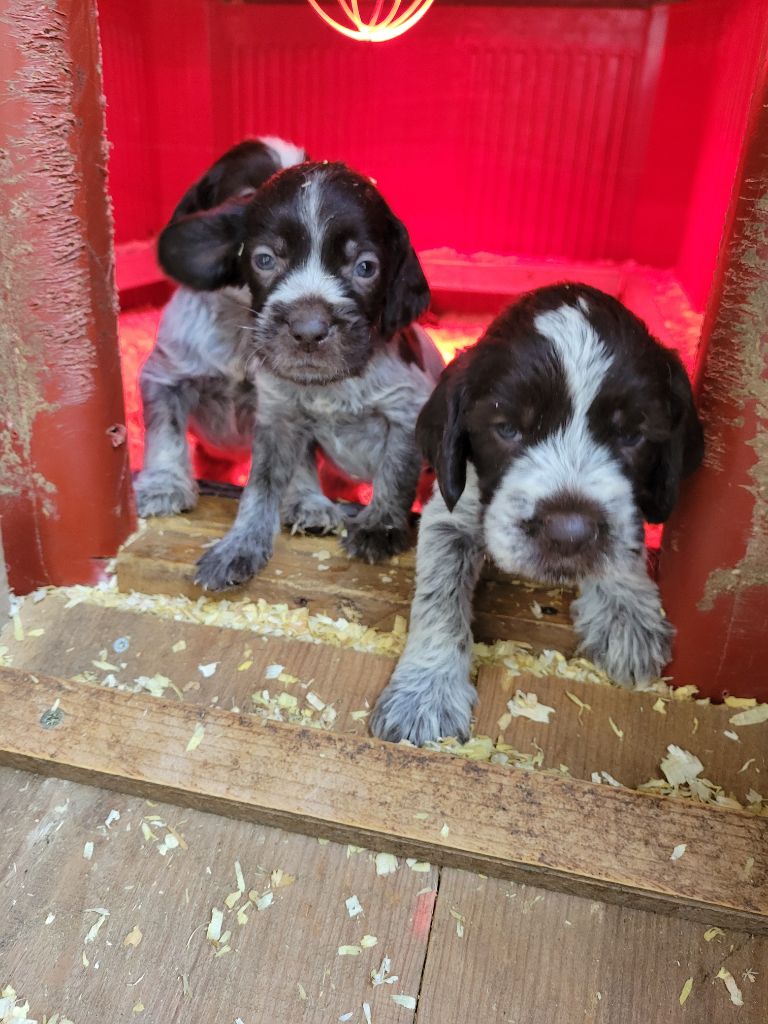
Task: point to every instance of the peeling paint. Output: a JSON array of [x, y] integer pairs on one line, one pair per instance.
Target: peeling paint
[[738, 374], [44, 264]]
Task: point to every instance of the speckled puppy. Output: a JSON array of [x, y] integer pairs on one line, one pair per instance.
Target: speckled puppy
[[552, 439], [335, 286]]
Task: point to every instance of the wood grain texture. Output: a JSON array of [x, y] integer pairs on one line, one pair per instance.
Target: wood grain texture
[[69, 642], [559, 833], [162, 558], [551, 958], [585, 741], [47, 890]]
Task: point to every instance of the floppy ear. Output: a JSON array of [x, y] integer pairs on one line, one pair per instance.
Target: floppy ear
[[202, 250], [678, 456], [407, 295], [441, 436]]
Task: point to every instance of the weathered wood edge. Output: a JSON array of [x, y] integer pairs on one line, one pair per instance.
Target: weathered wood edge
[[557, 833]]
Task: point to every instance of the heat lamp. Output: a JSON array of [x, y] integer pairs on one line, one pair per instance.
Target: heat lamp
[[379, 26]]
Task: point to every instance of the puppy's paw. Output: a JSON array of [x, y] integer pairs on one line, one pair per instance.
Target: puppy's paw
[[164, 494], [422, 705], [374, 540], [312, 513], [229, 563], [630, 640]]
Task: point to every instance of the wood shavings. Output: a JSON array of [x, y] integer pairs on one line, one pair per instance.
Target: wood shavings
[[96, 927], [266, 900], [678, 851], [353, 906], [197, 737], [407, 1002], [239, 877], [245, 665], [526, 705], [460, 921], [580, 704], [233, 898], [18, 629], [279, 879], [750, 975], [680, 766], [213, 933], [352, 850], [418, 865], [368, 941], [740, 702], [686, 991], [605, 777], [302, 991], [360, 715], [322, 555], [314, 701], [349, 950], [156, 685], [386, 864], [273, 671], [382, 975], [105, 666], [50, 919], [746, 871], [179, 646], [660, 706], [713, 933], [444, 831], [753, 797], [619, 732], [138, 1007], [730, 983], [536, 610], [88, 850], [746, 765], [367, 1013], [731, 735], [111, 818], [347, 1016], [134, 937], [206, 671], [752, 716]]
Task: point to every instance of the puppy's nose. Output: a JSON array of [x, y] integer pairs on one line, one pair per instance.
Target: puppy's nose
[[570, 531], [309, 329]]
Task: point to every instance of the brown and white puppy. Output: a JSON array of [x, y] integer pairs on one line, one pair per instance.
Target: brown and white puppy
[[553, 439], [196, 374], [334, 283]]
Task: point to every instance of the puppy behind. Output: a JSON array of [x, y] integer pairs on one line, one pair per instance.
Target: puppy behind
[[553, 439], [334, 288], [195, 376]]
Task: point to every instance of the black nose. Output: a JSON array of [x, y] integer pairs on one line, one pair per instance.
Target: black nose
[[309, 329], [570, 531]]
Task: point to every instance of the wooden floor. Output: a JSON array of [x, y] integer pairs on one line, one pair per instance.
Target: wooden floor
[[106, 900]]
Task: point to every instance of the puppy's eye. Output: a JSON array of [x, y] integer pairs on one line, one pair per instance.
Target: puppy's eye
[[630, 439], [366, 267], [507, 432], [264, 259]]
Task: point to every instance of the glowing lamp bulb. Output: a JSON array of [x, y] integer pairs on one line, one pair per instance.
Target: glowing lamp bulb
[[379, 26]]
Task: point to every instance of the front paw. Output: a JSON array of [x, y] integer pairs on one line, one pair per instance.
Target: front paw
[[631, 642], [314, 513], [164, 493], [229, 563], [374, 540], [422, 705]]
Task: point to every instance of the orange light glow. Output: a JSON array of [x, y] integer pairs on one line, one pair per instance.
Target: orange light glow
[[392, 25]]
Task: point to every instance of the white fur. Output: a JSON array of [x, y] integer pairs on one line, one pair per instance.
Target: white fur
[[286, 153]]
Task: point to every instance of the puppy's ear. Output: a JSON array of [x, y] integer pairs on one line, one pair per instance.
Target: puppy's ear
[[407, 295], [441, 436], [202, 250], [678, 456]]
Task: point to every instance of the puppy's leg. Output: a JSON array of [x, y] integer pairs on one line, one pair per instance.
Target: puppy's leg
[[165, 485], [305, 508], [277, 448], [383, 529], [621, 624], [429, 694]]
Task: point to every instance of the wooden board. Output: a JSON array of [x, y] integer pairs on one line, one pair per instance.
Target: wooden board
[[409, 801], [74, 642], [161, 560], [48, 890], [550, 958], [585, 741]]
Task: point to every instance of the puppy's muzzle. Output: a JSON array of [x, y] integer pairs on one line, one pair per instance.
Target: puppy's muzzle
[[309, 324], [569, 530]]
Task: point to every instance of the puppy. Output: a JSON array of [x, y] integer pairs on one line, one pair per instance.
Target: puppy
[[195, 376], [552, 440], [334, 283]]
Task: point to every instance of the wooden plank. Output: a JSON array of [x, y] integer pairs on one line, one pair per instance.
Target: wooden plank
[[552, 958], [161, 560], [80, 642], [585, 741], [485, 817], [47, 888]]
